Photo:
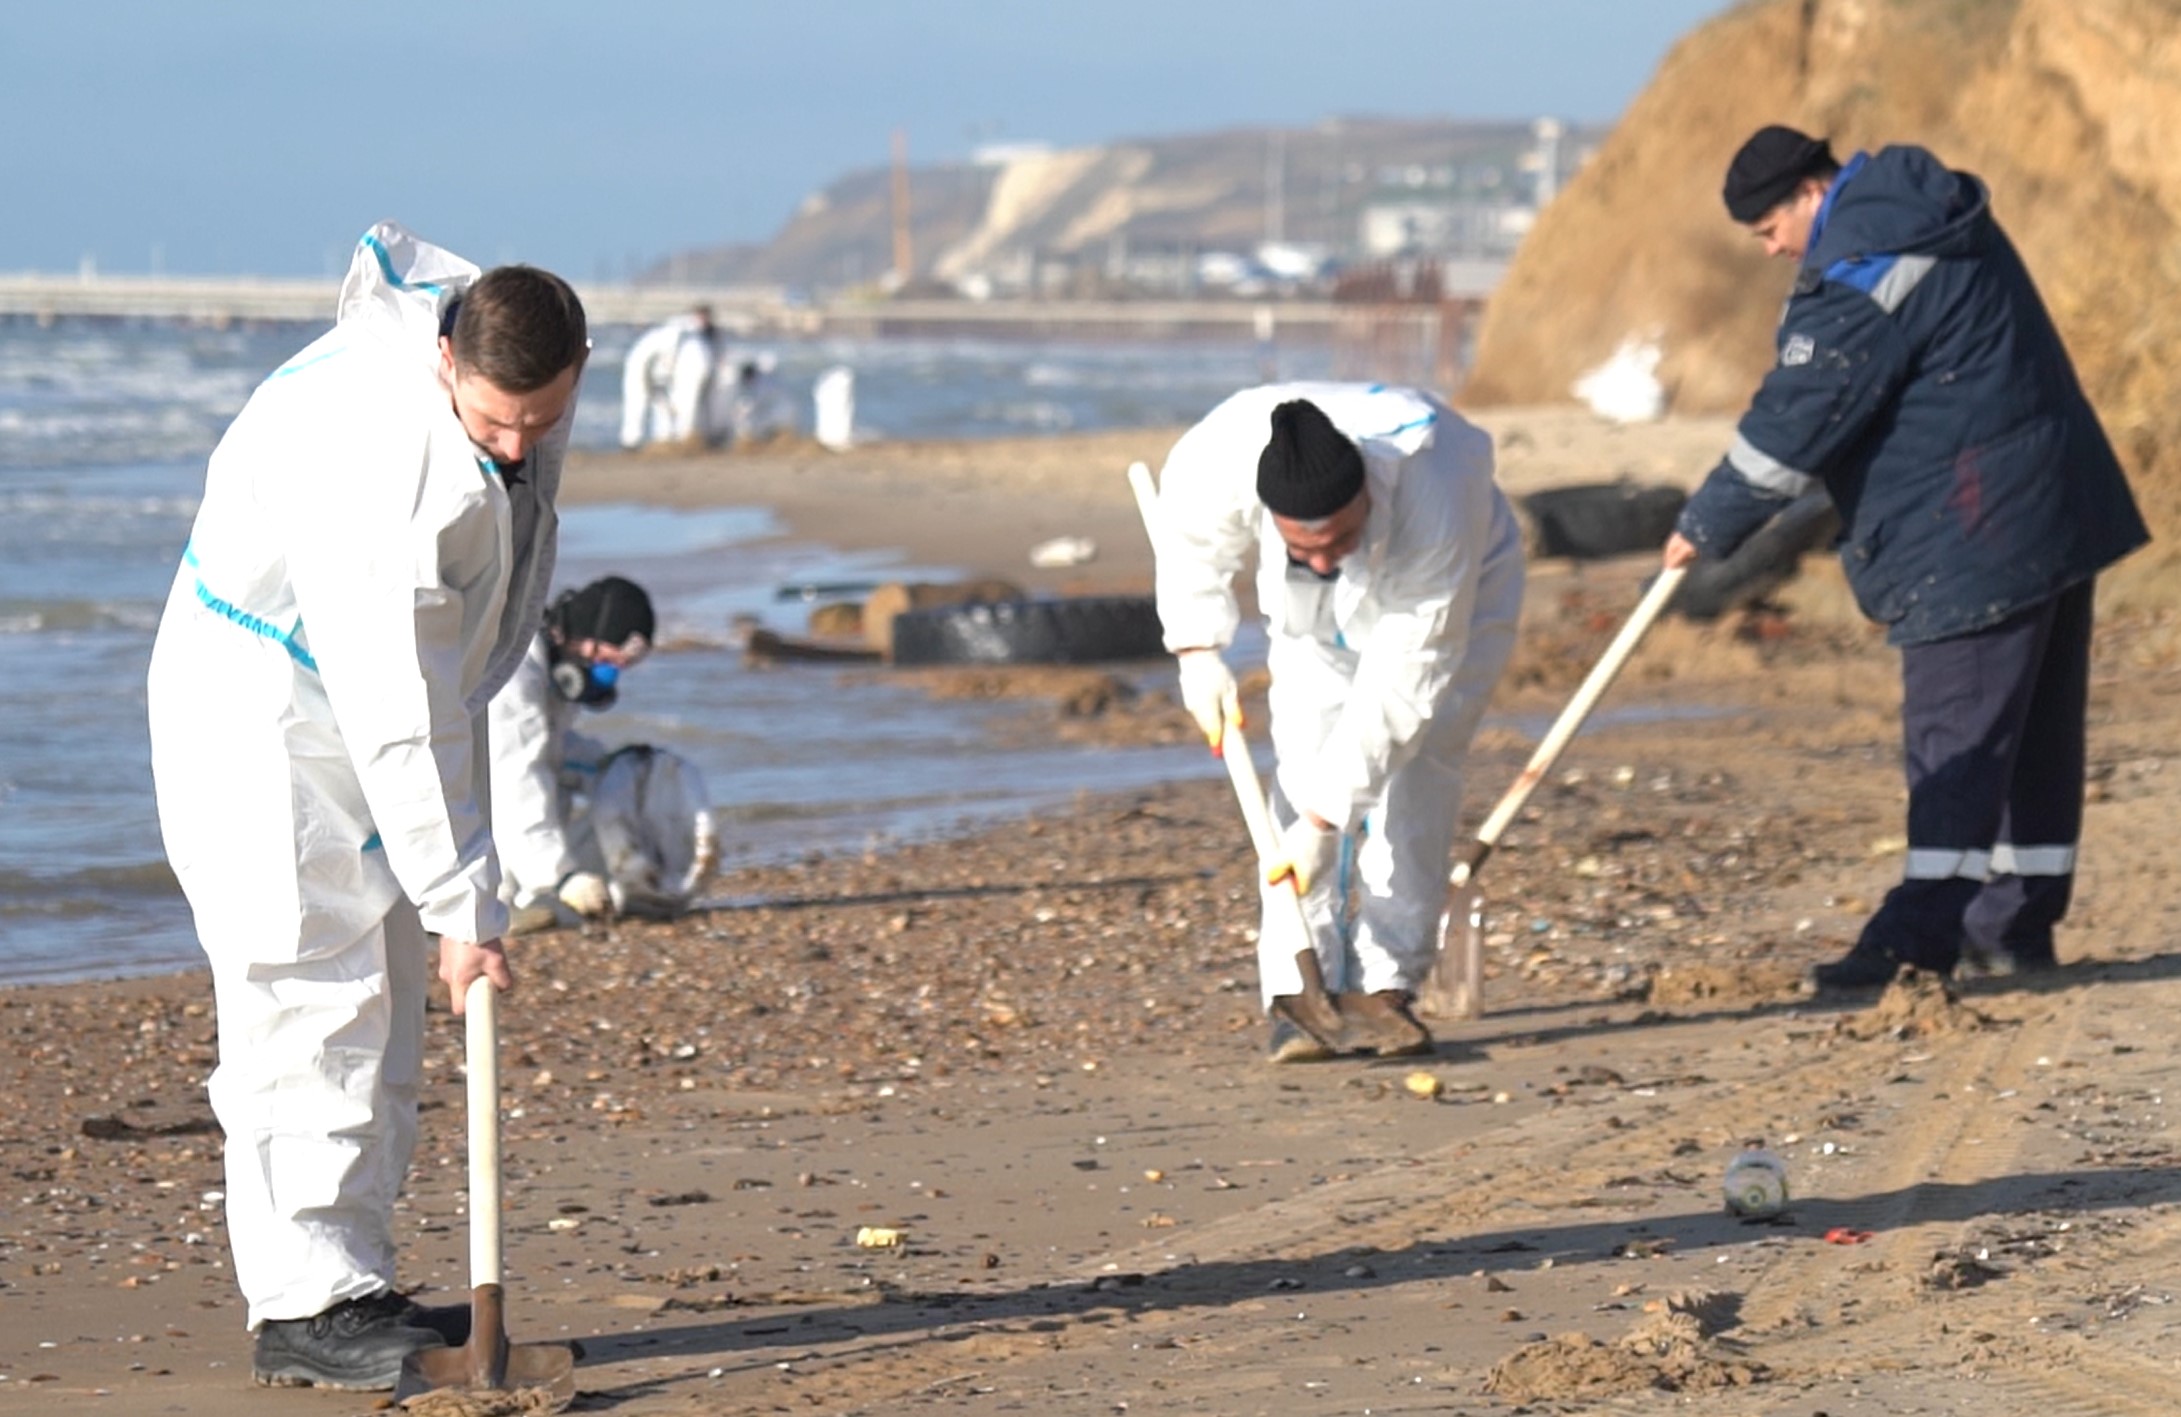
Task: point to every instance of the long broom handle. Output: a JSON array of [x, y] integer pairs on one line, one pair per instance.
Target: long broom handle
[[1571, 719], [482, 1058]]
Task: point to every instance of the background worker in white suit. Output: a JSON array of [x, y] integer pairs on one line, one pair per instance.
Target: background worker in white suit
[[667, 382], [1389, 571], [592, 637], [368, 565]]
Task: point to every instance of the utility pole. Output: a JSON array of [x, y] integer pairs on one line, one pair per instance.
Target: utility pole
[[1276, 186], [904, 253]]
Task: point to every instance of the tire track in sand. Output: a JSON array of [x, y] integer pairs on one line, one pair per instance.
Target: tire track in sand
[[1946, 1137]]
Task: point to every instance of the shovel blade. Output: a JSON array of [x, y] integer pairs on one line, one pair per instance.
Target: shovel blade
[[493, 1365], [1455, 986], [429, 1369], [548, 1368]]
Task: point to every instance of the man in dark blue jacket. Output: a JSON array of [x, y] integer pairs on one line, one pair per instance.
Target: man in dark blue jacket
[[1920, 381]]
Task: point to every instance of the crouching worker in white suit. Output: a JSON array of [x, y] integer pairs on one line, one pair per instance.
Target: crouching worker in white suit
[[668, 383], [366, 568], [585, 833], [1389, 571]]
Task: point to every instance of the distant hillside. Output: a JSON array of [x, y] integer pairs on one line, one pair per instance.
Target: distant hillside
[[1081, 212]]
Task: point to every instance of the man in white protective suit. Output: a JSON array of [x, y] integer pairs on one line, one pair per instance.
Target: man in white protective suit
[[368, 565], [667, 381], [556, 815], [1389, 572]]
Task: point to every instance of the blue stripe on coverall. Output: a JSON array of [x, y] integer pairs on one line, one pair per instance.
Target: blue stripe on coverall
[[255, 624], [378, 249], [258, 625], [386, 267]]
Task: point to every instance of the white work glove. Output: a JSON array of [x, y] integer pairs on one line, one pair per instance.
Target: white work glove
[[1307, 851], [1210, 694], [586, 894], [540, 910]]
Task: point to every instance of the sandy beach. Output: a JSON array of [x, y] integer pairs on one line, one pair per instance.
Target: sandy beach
[[1036, 1055], [981, 506]]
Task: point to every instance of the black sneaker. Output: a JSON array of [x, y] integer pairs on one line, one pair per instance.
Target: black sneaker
[[356, 1346], [1857, 969]]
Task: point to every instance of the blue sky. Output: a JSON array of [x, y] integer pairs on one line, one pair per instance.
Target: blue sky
[[259, 136]]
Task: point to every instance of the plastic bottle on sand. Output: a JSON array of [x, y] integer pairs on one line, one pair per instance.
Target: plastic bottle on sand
[[1756, 1184]]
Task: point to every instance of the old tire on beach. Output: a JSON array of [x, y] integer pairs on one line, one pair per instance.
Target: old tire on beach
[[1594, 520], [1080, 630], [1761, 564], [898, 597]]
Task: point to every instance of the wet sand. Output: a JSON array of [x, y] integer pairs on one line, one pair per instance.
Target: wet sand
[[1035, 1054]]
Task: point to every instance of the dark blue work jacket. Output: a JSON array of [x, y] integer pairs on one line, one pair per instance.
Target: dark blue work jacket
[[1919, 378]]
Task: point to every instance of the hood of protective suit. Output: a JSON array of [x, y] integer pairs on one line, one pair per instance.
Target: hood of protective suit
[[396, 292]]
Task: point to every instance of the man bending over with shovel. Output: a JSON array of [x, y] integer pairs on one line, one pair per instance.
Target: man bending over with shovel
[[1389, 572], [367, 567]]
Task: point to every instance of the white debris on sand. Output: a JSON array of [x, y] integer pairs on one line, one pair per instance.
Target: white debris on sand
[[1625, 389]]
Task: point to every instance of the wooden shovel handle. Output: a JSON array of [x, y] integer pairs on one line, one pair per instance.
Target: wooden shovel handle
[[1571, 718]]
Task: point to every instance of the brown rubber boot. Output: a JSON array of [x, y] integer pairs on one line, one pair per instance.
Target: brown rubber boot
[[1382, 1024], [1313, 1016]]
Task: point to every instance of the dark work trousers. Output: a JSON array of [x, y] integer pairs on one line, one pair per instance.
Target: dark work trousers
[[1993, 726]]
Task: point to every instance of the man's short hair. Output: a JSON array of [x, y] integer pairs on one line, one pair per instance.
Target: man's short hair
[[1770, 166], [518, 327]]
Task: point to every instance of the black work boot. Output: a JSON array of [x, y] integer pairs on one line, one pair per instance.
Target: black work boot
[[450, 1321], [1859, 968], [357, 1345], [2007, 963], [1383, 1024]]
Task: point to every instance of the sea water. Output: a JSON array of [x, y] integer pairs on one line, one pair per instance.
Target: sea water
[[104, 430]]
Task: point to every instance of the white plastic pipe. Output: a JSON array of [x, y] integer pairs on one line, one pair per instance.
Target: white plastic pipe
[[481, 1043]]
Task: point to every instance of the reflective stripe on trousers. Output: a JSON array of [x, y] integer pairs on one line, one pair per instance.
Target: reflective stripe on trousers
[[1992, 724]]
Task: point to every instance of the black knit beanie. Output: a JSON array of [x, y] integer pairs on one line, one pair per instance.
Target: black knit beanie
[[1309, 469], [1770, 166], [610, 610]]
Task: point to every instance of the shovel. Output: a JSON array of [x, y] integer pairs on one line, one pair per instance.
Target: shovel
[[1249, 793], [1455, 988], [542, 1376]]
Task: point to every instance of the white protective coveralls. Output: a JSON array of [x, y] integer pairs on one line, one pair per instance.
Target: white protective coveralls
[[561, 803], [667, 384], [1379, 675], [359, 580], [756, 407], [536, 752], [833, 408]]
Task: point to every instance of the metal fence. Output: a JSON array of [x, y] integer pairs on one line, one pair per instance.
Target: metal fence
[[1397, 322]]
